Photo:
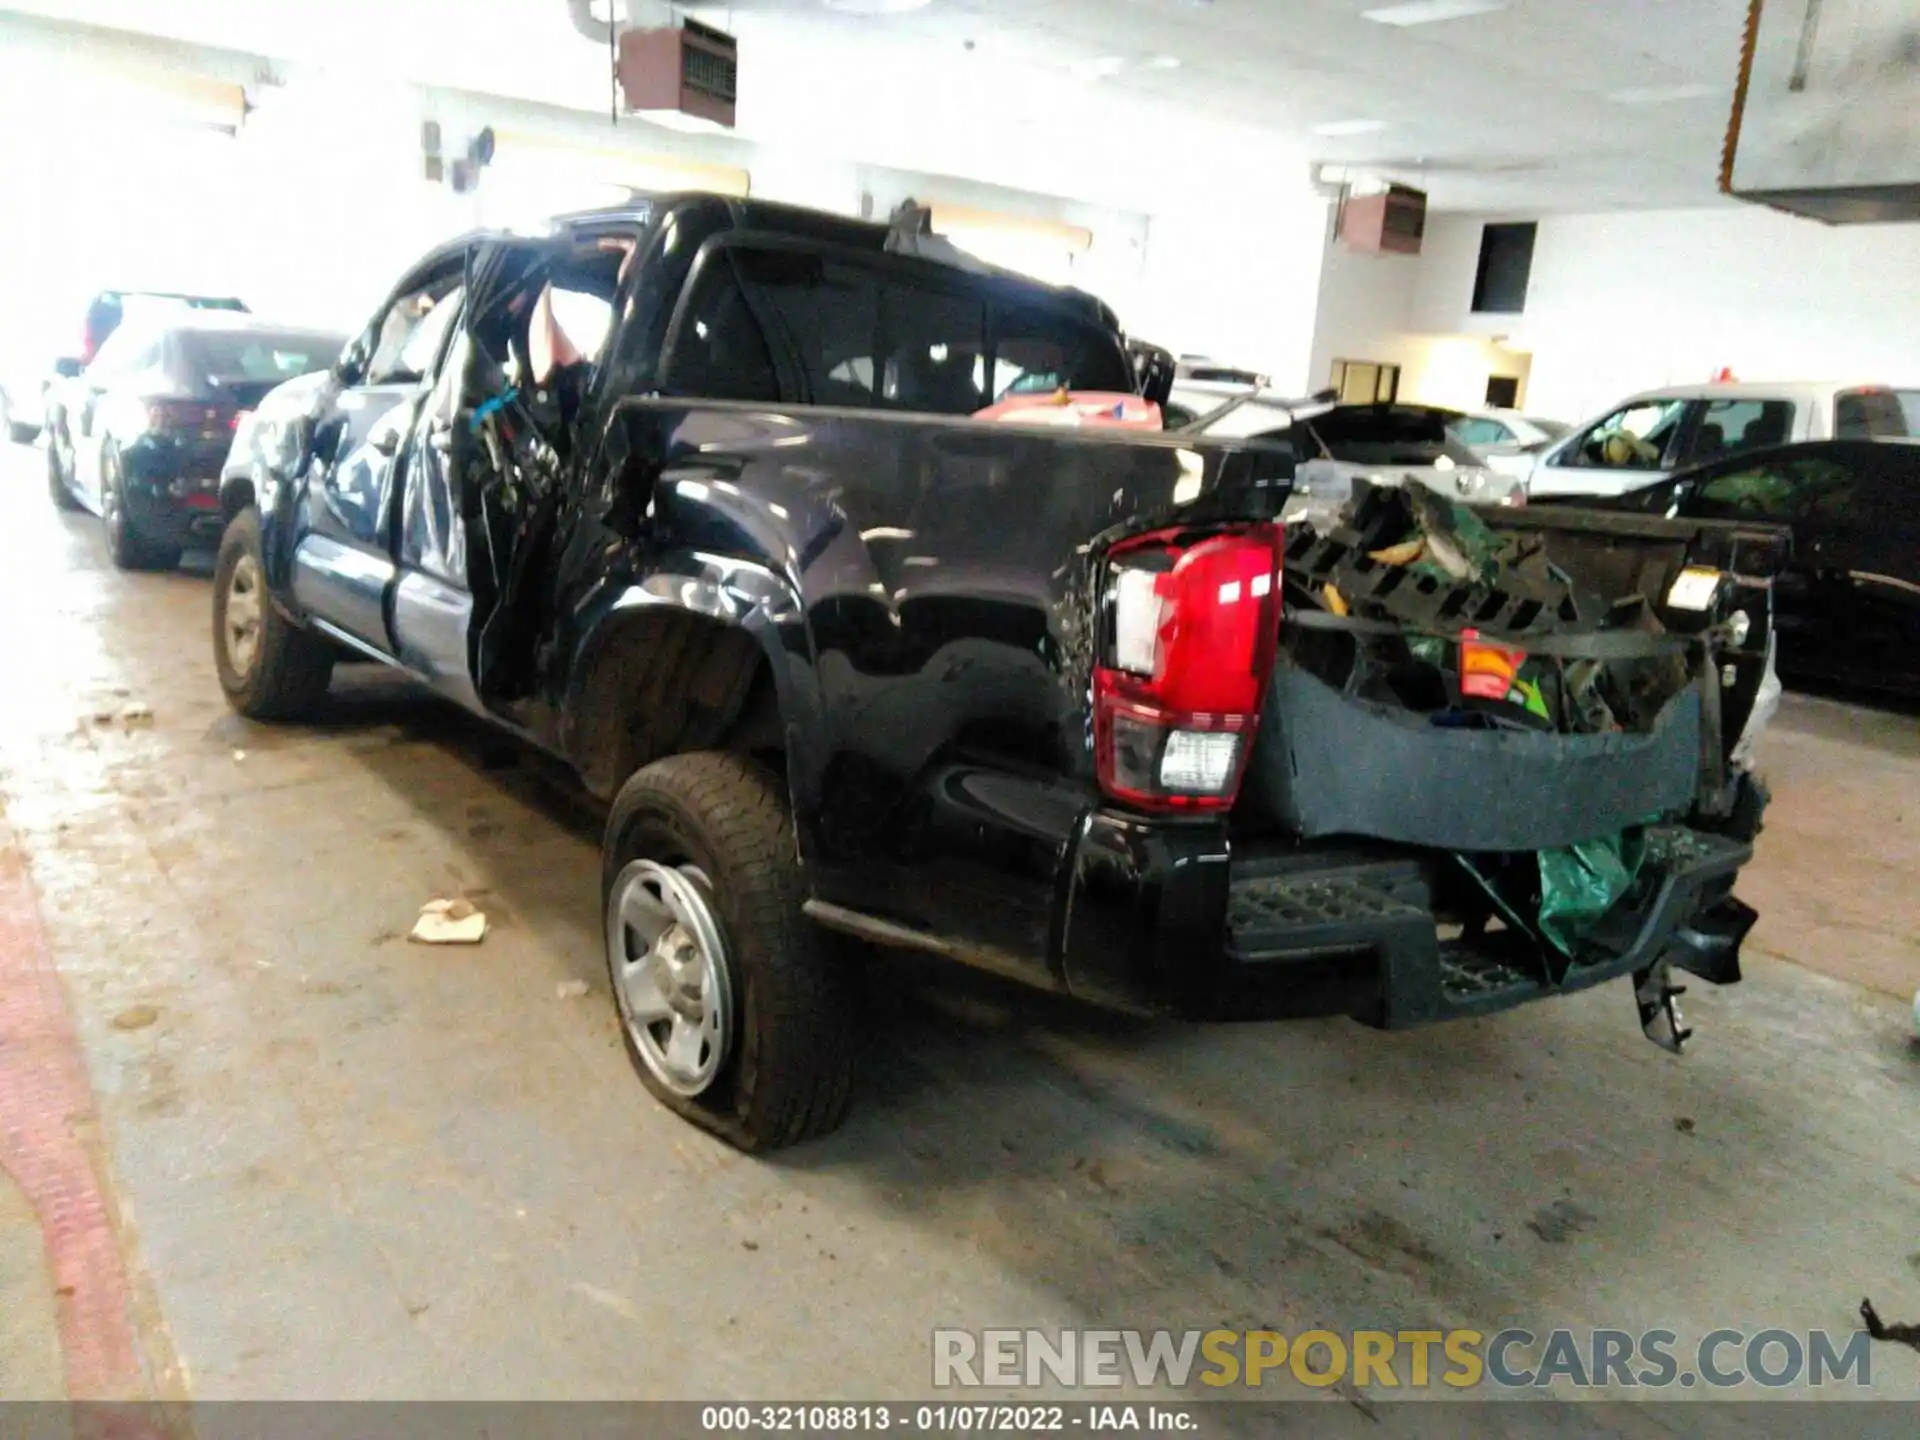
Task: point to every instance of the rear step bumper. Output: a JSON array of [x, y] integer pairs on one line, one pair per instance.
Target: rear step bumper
[[1379, 914], [1169, 918]]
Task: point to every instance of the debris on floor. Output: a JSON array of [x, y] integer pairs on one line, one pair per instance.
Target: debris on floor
[[570, 990], [1880, 1330], [449, 922], [238, 756], [136, 714], [136, 1017]]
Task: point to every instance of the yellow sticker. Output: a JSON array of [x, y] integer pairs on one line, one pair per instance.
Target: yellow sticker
[[1694, 588]]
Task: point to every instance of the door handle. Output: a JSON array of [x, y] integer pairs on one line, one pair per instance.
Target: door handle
[[385, 443]]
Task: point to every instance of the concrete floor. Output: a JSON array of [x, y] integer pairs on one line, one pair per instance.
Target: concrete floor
[[341, 1165]]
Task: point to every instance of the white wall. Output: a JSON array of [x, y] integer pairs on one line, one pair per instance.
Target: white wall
[[1229, 263], [1365, 310], [1619, 303], [1207, 235], [1368, 310], [1237, 284]]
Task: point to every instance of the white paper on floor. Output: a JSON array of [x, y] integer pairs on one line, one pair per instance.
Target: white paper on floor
[[449, 922]]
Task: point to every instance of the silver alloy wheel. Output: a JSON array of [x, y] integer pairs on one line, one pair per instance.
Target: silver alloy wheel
[[670, 973], [109, 495], [240, 620]]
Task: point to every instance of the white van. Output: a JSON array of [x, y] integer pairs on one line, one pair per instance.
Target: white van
[[1650, 436]]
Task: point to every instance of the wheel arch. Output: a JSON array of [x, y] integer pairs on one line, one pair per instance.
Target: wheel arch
[[681, 662], [236, 494]]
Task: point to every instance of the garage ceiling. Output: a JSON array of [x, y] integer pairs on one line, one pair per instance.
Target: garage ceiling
[[1536, 105]]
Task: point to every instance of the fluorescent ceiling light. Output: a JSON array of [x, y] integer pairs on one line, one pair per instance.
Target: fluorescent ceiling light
[[1661, 94], [1106, 66], [1335, 128], [876, 7], [1428, 12]]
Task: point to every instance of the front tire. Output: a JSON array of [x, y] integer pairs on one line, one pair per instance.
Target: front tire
[[270, 669], [737, 1012]]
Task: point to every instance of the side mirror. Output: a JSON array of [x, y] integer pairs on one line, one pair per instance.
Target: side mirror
[[68, 367], [1154, 370]]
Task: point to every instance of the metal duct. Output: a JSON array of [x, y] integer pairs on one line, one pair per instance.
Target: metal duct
[[640, 14], [1826, 120]]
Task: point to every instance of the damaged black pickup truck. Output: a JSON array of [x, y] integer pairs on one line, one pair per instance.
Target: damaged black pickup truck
[[696, 495]]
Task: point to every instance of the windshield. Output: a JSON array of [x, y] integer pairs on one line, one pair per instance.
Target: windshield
[[259, 354]]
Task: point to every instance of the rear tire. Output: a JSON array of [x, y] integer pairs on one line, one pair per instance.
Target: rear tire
[[780, 1067], [270, 668], [129, 549]]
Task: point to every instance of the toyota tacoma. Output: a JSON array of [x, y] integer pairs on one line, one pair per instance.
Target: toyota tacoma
[[698, 494]]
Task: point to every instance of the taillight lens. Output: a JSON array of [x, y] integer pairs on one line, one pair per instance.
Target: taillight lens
[[1187, 648]]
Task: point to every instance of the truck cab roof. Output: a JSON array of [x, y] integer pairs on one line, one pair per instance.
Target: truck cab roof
[[646, 210]]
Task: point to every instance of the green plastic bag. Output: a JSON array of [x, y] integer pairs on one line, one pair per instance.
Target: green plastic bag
[[1581, 883], [1458, 529]]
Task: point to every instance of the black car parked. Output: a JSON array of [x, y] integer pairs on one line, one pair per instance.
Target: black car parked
[[148, 424], [31, 400], [1848, 607]]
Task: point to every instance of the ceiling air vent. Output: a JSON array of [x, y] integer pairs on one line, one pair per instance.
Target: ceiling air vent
[[691, 70], [1393, 220]]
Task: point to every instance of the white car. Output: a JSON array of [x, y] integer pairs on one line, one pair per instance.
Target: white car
[[1648, 437], [1387, 444], [1507, 440]]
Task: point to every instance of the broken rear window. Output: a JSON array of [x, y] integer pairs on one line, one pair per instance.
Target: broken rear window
[[875, 336]]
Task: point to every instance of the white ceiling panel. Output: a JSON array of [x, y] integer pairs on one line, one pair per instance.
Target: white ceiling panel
[[1540, 105]]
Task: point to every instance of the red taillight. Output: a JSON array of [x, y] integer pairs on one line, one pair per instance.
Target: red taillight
[[1189, 632]]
